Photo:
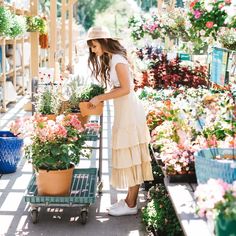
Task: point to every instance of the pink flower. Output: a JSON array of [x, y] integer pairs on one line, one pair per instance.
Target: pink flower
[[228, 2], [197, 14], [209, 24], [221, 5]]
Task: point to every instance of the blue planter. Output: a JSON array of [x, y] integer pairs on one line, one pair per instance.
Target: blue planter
[[10, 152], [207, 167]]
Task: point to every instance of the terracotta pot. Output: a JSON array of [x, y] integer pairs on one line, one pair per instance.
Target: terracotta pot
[[51, 116], [86, 109], [43, 41], [54, 182]]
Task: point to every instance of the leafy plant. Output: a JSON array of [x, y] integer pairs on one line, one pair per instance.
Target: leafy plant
[[36, 23], [47, 102], [18, 26], [159, 215], [90, 91], [5, 21]]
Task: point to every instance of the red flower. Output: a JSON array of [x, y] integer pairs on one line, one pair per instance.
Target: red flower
[[228, 2], [209, 24], [192, 4]]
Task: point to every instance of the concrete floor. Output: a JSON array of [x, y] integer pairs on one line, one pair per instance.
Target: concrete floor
[[15, 216]]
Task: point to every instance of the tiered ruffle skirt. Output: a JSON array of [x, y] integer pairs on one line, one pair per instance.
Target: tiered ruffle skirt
[[130, 137]]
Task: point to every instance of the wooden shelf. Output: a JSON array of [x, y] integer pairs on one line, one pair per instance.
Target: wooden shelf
[[16, 43]]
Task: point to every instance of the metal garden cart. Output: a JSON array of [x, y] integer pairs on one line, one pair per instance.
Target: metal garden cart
[[84, 186]]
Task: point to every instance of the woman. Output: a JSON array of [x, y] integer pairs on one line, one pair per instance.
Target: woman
[[130, 135]]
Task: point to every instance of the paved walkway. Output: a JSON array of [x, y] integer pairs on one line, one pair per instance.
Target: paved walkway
[[14, 212]]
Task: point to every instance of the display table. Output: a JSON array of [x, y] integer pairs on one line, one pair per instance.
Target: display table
[[181, 195]]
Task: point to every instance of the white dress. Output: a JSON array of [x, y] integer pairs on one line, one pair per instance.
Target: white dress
[[130, 137]]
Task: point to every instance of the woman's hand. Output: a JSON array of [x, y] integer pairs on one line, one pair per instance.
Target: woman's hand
[[94, 101]]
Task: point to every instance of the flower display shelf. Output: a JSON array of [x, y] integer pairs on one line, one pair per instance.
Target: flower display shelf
[[82, 194]]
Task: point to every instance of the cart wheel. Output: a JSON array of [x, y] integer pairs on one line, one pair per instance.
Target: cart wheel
[[83, 217], [100, 187], [34, 216]]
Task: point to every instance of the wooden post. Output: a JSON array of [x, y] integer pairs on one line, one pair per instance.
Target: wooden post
[[34, 38], [159, 5], [63, 34], [70, 34], [53, 33]]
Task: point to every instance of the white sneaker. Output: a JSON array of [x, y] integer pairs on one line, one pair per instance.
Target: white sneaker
[[122, 210], [121, 202]]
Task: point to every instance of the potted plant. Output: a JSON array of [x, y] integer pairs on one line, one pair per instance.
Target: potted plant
[[48, 102], [55, 147], [71, 106], [85, 95], [217, 199]]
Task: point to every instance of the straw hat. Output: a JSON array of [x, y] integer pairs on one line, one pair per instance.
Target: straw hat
[[99, 32]]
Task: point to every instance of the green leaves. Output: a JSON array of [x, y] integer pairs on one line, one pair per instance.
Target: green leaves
[[90, 91]]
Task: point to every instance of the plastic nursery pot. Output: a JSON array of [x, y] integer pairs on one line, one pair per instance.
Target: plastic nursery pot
[[225, 226], [87, 110]]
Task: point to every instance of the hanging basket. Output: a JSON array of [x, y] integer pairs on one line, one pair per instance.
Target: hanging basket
[[10, 152], [207, 167]]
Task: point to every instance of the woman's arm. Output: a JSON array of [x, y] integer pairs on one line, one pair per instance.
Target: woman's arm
[[122, 71]]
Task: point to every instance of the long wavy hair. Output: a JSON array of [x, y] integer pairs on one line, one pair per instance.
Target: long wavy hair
[[100, 66]]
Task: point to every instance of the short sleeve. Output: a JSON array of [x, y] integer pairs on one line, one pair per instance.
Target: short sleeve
[[119, 59]]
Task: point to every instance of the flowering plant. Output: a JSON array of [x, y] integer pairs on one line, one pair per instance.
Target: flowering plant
[[216, 197], [207, 17], [178, 159], [52, 145], [227, 37]]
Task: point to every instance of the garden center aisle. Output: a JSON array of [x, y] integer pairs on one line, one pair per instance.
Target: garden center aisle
[[14, 212]]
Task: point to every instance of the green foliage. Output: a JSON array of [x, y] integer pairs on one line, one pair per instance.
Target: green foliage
[[18, 26], [36, 23], [5, 21], [159, 214], [47, 102], [136, 24], [87, 10], [90, 91]]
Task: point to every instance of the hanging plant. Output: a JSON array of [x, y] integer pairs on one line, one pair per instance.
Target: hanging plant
[[5, 21], [36, 24], [18, 26]]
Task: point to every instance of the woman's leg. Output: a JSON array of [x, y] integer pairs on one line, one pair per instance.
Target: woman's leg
[[131, 198]]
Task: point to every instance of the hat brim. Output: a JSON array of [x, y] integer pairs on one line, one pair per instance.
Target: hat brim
[[94, 38]]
